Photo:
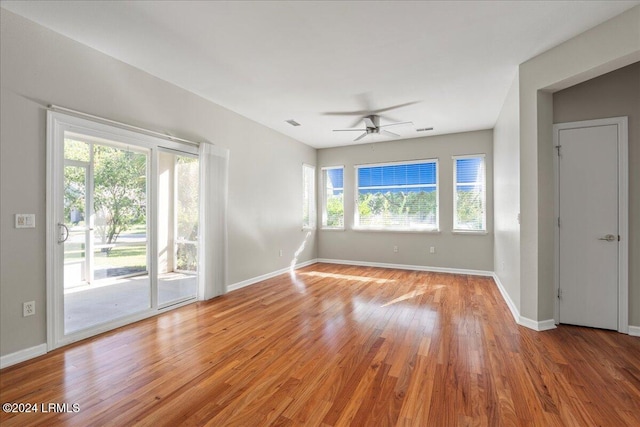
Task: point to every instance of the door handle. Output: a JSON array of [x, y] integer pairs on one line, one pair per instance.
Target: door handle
[[64, 233], [608, 238]]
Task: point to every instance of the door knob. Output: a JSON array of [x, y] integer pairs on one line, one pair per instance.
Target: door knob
[[608, 238]]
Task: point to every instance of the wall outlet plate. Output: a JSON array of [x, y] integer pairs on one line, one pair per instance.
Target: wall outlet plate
[[28, 308]]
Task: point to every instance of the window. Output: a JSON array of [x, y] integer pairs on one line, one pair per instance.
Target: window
[[398, 196], [469, 194], [308, 197], [333, 197]]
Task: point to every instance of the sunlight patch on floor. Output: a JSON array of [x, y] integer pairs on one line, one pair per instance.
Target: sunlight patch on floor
[[346, 277], [404, 297]]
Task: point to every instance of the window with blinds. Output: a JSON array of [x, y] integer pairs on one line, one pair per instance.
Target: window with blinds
[[333, 198], [397, 196], [469, 198], [308, 197]]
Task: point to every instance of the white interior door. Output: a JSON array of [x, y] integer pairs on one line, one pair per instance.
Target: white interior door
[[589, 234]]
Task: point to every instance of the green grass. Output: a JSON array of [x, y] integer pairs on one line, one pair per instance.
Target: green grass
[[119, 256], [122, 256]]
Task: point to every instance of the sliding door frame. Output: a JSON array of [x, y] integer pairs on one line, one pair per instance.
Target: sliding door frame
[[57, 124]]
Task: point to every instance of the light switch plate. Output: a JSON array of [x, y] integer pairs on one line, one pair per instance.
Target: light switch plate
[[25, 221]]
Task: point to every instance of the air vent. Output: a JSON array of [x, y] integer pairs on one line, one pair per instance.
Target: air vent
[[423, 129], [293, 122]]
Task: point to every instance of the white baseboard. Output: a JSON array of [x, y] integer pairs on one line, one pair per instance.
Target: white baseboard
[[22, 355], [505, 296], [544, 325], [408, 267], [634, 331], [254, 280]]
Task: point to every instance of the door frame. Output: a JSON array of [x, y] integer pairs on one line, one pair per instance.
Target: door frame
[[623, 212], [57, 124]]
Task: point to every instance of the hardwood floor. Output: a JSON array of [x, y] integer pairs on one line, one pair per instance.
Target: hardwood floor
[[338, 345]]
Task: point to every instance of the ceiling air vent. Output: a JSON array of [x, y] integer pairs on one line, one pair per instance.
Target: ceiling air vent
[[293, 122]]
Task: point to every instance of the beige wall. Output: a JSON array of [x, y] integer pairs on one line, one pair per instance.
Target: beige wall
[[612, 95], [40, 67], [608, 46], [506, 198], [473, 252]]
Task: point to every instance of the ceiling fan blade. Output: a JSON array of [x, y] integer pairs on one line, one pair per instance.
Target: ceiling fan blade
[[349, 130], [357, 122], [360, 137], [369, 123], [393, 107], [389, 133], [346, 113], [396, 124]]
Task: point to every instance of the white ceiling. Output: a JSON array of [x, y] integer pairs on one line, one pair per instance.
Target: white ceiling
[[274, 61]]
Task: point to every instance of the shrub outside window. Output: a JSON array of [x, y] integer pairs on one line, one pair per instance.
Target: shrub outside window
[[333, 198]]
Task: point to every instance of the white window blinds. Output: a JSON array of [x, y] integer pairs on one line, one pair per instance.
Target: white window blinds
[[397, 196], [469, 198]]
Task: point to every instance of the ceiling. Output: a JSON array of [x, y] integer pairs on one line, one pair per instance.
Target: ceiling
[[452, 62]]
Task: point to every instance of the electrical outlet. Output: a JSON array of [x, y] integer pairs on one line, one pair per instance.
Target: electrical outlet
[[280, 252], [28, 308], [395, 249], [432, 250]]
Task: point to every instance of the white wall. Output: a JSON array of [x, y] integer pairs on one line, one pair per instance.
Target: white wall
[[473, 252], [608, 46], [506, 199], [40, 67]]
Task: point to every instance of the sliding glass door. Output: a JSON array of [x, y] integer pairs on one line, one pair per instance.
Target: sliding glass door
[[123, 221], [105, 221], [178, 227]]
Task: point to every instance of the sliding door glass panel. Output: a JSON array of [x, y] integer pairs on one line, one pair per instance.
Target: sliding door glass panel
[[76, 266], [114, 223], [178, 182]]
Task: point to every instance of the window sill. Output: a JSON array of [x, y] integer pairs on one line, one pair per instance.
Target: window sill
[[391, 230], [332, 229], [308, 228], [471, 232]]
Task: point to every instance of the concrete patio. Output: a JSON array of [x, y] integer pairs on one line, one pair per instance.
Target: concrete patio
[[110, 299]]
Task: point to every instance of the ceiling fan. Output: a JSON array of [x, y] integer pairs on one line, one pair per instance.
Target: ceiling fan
[[372, 125]]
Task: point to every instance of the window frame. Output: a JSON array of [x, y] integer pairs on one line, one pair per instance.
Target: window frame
[[323, 192], [455, 159], [356, 213], [310, 198]]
